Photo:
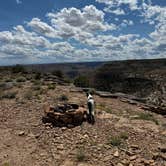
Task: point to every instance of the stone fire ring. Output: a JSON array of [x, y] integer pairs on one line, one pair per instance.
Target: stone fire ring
[[72, 115]]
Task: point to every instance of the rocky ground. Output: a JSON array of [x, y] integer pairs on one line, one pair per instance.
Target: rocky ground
[[123, 135]]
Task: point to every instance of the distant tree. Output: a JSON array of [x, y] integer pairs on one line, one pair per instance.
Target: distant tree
[[106, 79], [37, 76], [18, 69]]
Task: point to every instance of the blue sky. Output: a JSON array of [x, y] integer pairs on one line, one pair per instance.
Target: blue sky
[[49, 31]]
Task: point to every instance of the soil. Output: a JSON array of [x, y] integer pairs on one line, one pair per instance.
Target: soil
[[119, 136]]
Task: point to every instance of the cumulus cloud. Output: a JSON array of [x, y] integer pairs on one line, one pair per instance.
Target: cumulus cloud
[[126, 23], [117, 11], [43, 28], [133, 4], [71, 22], [73, 34], [18, 1], [22, 37]]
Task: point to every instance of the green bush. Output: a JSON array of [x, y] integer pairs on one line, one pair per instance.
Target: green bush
[[8, 95], [6, 164], [51, 86], [80, 155], [58, 73], [21, 79], [8, 80], [63, 98], [147, 116], [115, 141], [82, 81], [28, 95], [37, 76], [36, 82], [124, 135], [18, 69], [2, 85], [36, 87]]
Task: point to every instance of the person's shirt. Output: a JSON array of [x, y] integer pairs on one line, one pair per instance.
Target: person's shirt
[[90, 98]]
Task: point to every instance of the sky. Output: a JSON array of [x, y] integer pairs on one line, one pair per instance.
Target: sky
[[53, 31]]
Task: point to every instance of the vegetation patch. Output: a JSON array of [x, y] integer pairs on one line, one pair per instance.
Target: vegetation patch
[[115, 141], [6, 164], [21, 79], [2, 85], [51, 86], [8, 95], [147, 116], [82, 81], [18, 69], [124, 135], [8, 80], [63, 98], [37, 76], [81, 155], [36, 82], [58, 73], [28, 95], [108, 110], [36, 87]]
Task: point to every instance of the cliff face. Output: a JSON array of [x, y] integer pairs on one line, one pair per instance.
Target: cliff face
[[144, 78]]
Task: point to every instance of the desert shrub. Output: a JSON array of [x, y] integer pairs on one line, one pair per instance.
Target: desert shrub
[[80, 155], [51, 86], [40, 92], [124, 135], [108, 110], [36, 82], [1, 94], [147, 116], [115, 141], [18, 85], [63, 98], [2, 85], [58, 73], [37, 76], [8, 80], [9, 95], [6, 164], [28, 95], [36, 87], [81, 81], [21, 79], [18, 69]]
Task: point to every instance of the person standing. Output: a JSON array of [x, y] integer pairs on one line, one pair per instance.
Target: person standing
[[91, 111]]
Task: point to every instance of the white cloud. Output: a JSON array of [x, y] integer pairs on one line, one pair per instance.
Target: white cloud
[[18, 1], [43, 28], [118, 11], [133, 4], [126, 23], [73, 22], [91, 35], [22, 37]]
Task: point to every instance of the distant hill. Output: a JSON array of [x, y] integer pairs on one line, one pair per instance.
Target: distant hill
[[70, 69]]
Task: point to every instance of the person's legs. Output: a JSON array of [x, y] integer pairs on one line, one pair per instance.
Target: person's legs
[[91, 113]]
